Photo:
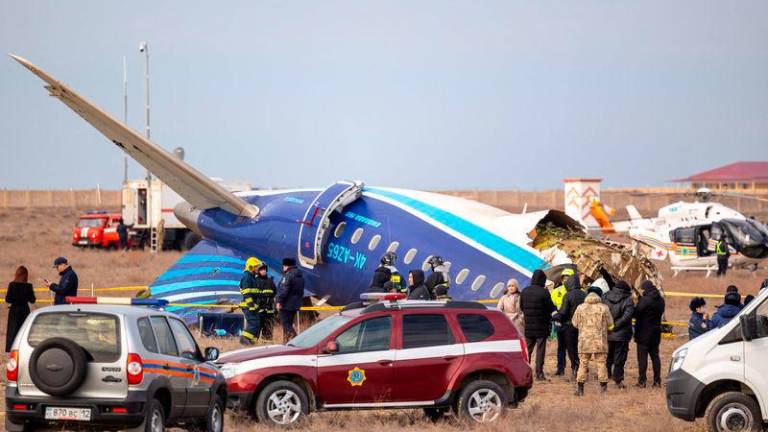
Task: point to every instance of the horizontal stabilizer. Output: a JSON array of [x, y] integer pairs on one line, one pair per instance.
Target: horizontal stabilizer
[[197, 189]]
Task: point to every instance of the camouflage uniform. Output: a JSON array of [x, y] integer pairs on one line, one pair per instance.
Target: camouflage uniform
[[593, 319]]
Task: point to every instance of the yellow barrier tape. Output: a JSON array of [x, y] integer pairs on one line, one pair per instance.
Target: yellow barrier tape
[[38, 301], [136, 288], [85, 289], [675, 323], [308, 308], [201, 306], [484, 301], [117, 289]]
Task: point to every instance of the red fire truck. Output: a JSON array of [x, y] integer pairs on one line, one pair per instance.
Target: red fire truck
[[97, 228]]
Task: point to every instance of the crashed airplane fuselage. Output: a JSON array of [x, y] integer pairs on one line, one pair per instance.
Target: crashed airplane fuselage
[[337, 233]]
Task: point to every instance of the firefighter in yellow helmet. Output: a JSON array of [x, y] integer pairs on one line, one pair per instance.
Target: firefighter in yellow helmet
[[250, 302]]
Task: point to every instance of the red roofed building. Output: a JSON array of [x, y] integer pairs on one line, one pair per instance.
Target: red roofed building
[[738, 176]]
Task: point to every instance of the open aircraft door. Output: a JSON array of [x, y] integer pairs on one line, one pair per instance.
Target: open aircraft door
[[314, 227]]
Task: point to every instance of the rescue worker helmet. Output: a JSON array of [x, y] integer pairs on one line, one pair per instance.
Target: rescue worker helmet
[[252, 264], [436, 261], [389, 259]]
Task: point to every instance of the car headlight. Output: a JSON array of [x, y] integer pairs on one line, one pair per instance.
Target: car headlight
[[228, 370], [677, 359]]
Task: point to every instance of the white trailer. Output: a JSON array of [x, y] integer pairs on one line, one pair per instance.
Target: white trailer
[[147, 208]]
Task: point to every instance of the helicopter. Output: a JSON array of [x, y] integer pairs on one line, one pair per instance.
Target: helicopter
[[686, 233]]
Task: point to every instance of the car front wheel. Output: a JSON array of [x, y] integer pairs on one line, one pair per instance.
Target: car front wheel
[[215, 420], [154, 419], [482, 402], [734, 412], [282, 403]]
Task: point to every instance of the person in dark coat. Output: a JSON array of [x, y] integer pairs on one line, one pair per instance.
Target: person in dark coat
[[18, 297], [648, 315], [289, 297], [726, 312], [67, 286], [122, 234], [438, 285], [416, 288], [381, 276], [747, 300], [723, 254], [266, 301], [537, 306], [699, 323], [619, 302], [438, 282], [574, 297]]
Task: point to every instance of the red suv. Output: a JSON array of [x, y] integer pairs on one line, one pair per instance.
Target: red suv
[[435, 355]]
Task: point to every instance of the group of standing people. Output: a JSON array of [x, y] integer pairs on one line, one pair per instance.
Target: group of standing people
[[701, 321], [592, 323], [21, 294], [387, 279], [261, 300]]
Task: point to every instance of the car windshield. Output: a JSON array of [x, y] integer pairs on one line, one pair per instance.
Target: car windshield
[[319, 331], [97, 333], [89, 223]]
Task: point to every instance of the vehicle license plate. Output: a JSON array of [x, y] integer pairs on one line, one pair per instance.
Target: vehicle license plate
[[83, 242], [79, 414]]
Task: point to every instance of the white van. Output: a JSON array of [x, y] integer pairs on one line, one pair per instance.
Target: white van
[[723, 374]]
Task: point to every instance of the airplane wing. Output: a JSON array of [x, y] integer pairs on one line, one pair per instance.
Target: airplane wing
[[190, 184]]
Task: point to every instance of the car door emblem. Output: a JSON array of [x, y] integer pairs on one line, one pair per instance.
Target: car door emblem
[[356, 377], [196, 375]]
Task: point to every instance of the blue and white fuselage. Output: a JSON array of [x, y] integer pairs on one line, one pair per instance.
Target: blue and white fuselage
[[485, 246]]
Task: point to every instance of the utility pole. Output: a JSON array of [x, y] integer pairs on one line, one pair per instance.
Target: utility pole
[[125, 114], [153, 241], [144, 48]]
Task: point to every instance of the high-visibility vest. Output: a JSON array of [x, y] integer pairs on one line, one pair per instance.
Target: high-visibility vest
[[721, 248], [250, 295], [557, 295], [397, 281]]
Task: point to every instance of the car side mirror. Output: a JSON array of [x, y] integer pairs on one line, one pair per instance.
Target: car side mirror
[[331, 347], [211, 354], [748, 327]]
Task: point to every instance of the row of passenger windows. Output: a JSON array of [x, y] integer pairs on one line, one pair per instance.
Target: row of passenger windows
[[461, 277]]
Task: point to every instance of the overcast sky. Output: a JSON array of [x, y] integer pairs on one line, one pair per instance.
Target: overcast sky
[[417, 94]]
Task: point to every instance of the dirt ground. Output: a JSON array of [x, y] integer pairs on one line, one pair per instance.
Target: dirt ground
[[35, 237]]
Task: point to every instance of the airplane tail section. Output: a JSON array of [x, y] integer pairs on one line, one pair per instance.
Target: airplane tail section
[[207, 275], [197, 189]]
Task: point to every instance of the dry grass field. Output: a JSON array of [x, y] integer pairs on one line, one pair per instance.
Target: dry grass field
[[35, 237]]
